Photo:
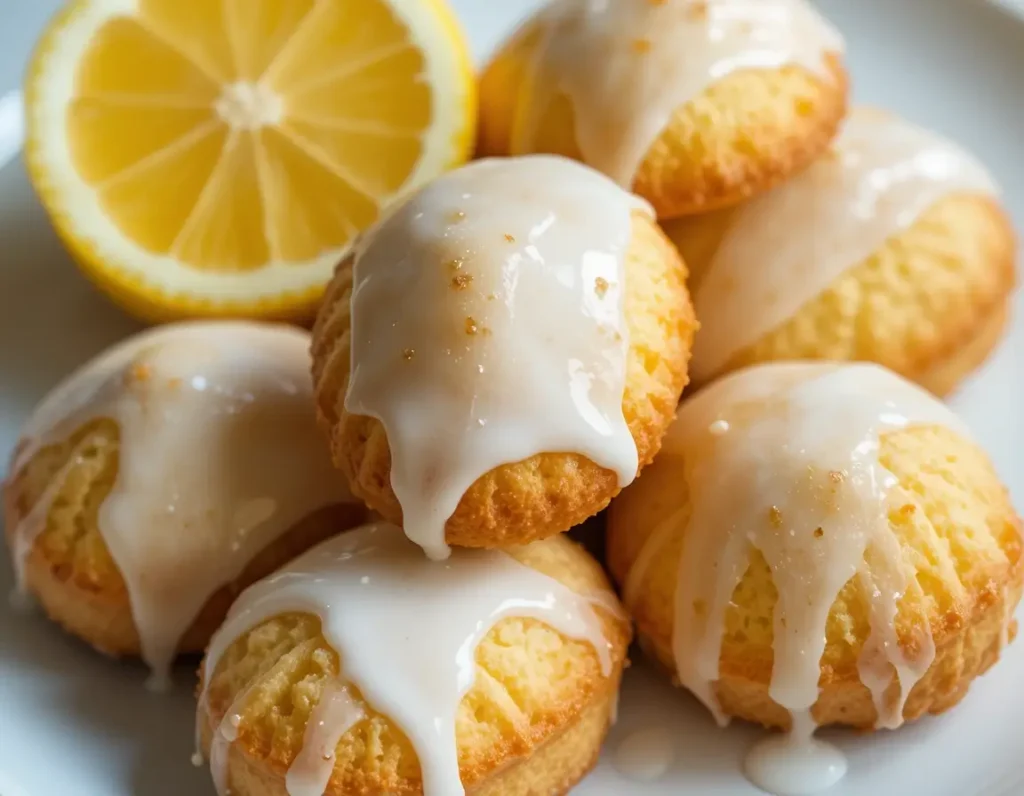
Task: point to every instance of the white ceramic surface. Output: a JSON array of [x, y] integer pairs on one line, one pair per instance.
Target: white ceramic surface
[[75, 724]]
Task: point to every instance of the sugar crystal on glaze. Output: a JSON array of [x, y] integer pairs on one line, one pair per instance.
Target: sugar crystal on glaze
[[488, 326], [800, 443]]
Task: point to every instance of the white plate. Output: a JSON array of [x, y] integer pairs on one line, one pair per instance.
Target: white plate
[[74, 724]]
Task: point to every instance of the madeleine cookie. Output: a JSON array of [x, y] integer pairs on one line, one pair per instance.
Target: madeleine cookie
[[162, 477], [362, 667], [819, 544], [892, 248], [695, 104], [502, 353]]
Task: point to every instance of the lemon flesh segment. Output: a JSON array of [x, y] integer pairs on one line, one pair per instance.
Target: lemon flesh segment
[[217, 157]]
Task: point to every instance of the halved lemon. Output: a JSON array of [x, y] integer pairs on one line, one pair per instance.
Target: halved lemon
[[215, 157]]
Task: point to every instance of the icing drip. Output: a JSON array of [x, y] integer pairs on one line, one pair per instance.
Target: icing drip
[[881, 176], [409, 648], [219, 455], [800, 443], [883, 657], [646, 755], [795, 763], [227, 734], [334, 715], [628, 66], [488, 327]]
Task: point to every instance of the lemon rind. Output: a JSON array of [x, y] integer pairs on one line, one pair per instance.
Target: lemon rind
[[157, 286]]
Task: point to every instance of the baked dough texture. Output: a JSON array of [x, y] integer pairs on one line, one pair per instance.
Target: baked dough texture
[[931, 304], [70, 569], [742, 135], [552, 491], [533, 722], [962, 540]]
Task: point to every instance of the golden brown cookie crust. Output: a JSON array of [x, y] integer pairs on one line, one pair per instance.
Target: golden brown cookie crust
[[550, 492], [69, 568], [929, 305], [521, 728], [944, 375], [744, 134], [554, 767], [966, 532]]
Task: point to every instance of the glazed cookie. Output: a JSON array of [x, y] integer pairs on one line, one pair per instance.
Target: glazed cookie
[[165, 475], [819, 544], [695, 104], [364, 668], [503, 353], [892, 248]]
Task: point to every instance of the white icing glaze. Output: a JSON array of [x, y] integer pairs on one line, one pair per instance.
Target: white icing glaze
[[488, 326], [335, 714], [219, 456], [795, 763], [627, 66], [786, 247], [406, 630], [646, 755], [227, 734], [799, 442]]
